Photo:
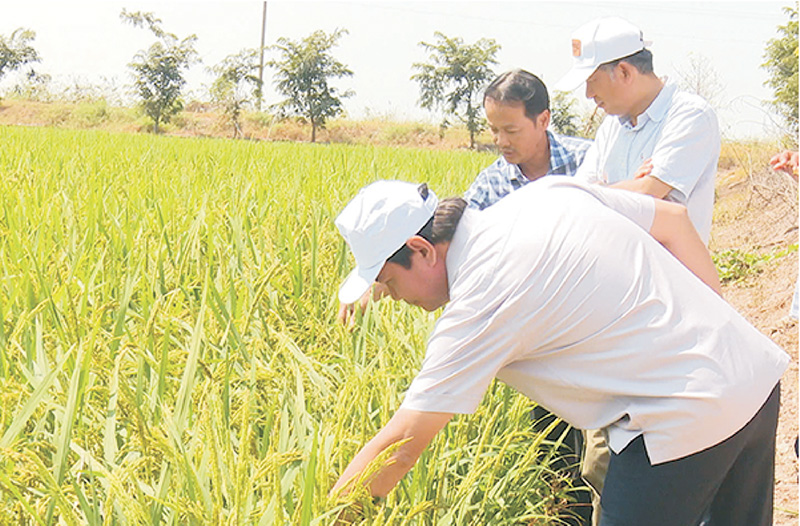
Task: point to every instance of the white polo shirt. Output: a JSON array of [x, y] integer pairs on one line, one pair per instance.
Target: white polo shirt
[[559, 291], [680, 132]]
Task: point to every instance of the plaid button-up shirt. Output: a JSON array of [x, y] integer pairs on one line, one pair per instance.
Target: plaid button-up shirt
[[501, 177]]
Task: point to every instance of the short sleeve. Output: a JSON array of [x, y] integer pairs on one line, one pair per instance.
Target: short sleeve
[[688, 144], [469, 345], [476, 194], [639, 208], [489, 186]]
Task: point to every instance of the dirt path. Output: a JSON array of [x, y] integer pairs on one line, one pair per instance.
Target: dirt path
[[758, 215]]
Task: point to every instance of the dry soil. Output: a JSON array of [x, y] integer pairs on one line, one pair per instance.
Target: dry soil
[[757, 214]]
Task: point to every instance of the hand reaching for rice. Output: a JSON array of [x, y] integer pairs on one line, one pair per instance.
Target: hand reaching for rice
[[347, 311]]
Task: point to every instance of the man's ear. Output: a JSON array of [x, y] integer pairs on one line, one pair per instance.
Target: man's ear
[[626, 71], [543, 119], [423, 247]]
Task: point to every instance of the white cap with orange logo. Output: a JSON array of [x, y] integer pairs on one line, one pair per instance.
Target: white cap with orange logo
[[600, 41]]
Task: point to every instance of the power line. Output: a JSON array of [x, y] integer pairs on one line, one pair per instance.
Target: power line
[[261, 57]]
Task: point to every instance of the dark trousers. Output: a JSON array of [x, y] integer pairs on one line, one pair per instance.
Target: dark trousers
[[731, 482]]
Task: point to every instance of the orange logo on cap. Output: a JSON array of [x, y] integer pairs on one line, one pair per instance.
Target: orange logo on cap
[[576, 48]]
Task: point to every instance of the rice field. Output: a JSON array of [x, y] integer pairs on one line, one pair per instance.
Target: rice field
[[169, 352]]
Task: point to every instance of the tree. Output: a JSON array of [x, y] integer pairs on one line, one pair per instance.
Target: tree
[[237, 84], [590, 121], [563, 117], [700, 77], [453, 79], [158, 71], [16, 51], [303, 74], [33, 86], [780, 61]]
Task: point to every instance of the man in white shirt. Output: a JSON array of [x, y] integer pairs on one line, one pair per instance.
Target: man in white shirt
[[651, 125], [536, 296], [649, 122]]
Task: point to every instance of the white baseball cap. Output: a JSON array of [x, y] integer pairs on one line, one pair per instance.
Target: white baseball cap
[[376, 224], [600, 41]]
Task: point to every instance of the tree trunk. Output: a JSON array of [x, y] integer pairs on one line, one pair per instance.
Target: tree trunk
[[471, 121], [313, 131], [155, 125]]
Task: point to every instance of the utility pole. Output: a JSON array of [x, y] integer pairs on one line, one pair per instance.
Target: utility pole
[[261, 59]]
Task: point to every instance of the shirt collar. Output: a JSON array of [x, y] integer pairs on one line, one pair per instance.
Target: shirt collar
[[658, 108], [559, 156], [512, 171], [458, 245]]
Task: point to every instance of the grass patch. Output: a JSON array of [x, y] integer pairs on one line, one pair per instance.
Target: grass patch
[[735, 265], [204, 120]]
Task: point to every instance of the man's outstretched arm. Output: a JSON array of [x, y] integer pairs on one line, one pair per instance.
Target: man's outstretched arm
[[672, 228], [417, 426]]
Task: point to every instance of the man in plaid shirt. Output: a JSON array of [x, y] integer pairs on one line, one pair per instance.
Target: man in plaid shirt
[[518, 110]]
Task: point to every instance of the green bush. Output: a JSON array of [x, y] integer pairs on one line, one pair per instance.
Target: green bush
[[735, 265]]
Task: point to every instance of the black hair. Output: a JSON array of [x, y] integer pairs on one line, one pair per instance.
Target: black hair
[[440, 228], [642, 60], [519, 85]]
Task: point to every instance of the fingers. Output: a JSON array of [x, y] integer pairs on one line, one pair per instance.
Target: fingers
[[364, 301], [779, 161], [347, 311], [786, 161], [644, 170]]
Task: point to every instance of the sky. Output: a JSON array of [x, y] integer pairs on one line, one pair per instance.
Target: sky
[[87, 43]]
